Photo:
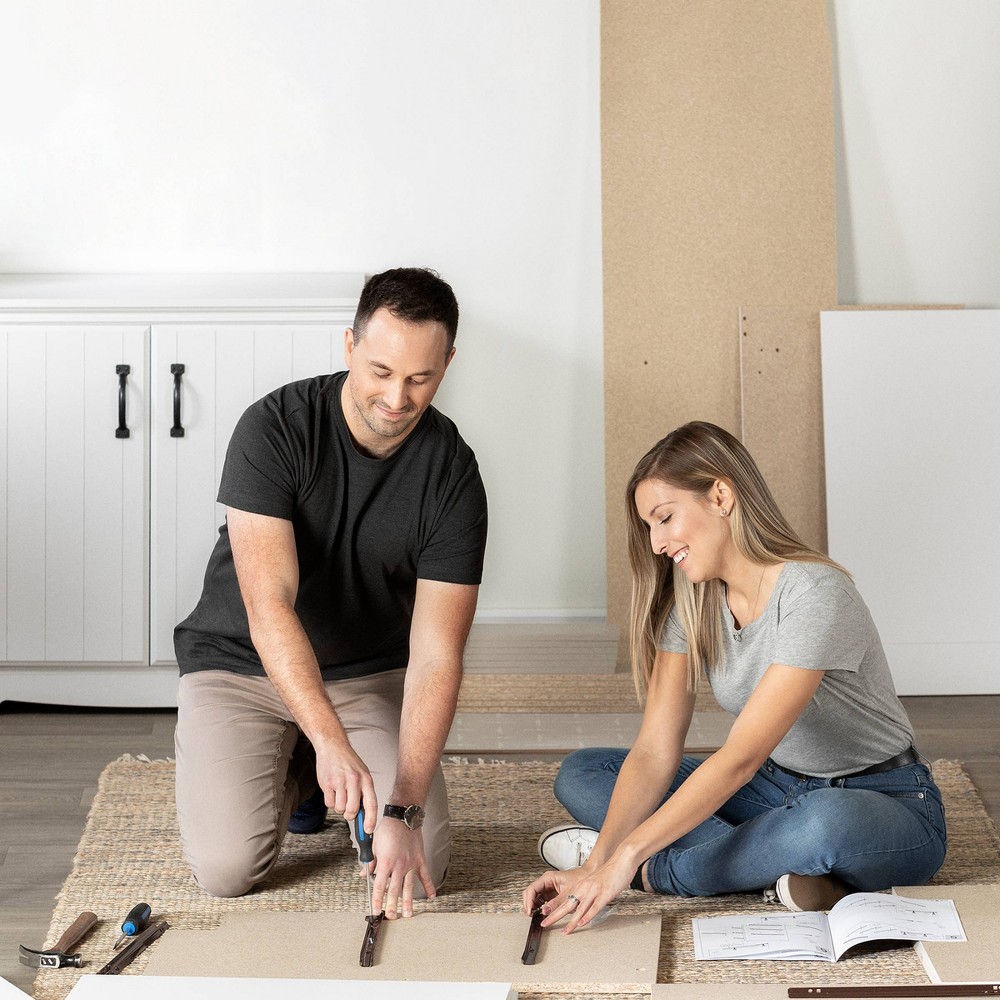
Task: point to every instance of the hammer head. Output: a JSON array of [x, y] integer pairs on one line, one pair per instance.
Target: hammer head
[[48, 959]]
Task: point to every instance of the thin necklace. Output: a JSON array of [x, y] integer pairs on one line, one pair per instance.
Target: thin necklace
[[738, 633]]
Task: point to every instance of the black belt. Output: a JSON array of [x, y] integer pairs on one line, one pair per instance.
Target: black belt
[[908, 756]]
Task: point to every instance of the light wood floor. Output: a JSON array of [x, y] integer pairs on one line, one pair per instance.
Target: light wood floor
[[50, 761]]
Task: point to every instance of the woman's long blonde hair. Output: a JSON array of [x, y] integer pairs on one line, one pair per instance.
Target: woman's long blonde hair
[[693, 458]]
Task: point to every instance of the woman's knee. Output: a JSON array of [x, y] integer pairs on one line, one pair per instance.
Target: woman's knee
[[585, 782], [576, 770]]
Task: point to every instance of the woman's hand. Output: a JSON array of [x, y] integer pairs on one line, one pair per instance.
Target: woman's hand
[[550, 886], [580, 893]]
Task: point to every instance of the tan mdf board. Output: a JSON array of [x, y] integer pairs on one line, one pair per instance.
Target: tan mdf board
[[718, 189], [617, 956], [975, 960], [782, 408]]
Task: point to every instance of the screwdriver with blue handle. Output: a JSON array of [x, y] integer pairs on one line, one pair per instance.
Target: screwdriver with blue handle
[[365, 853], [134, 922]]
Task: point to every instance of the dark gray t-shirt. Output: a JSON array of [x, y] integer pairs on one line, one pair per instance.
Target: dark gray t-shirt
[[815, 620], [365, 530]]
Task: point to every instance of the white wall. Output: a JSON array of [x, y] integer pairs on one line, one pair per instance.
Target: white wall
[[334, 135], [262, 135], [918, 192]]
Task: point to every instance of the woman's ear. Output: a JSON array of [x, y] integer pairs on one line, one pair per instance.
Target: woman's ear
[[722, 497]]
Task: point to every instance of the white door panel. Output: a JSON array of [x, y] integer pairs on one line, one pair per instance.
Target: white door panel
[[75, 529]]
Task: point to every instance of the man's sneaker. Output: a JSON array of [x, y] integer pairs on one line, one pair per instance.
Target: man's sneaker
[[566, 846], [810, 892], [310, 815]]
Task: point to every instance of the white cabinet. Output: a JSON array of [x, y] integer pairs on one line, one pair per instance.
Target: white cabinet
[[73, 534], [104, 538]]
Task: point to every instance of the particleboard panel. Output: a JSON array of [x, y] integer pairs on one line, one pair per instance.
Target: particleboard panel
[[975, 960], [718, 189], [650, 400], [618, 955], [782, 408], [782, 411]]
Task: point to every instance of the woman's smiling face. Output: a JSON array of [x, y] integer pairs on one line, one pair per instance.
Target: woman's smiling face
[[688, 528]]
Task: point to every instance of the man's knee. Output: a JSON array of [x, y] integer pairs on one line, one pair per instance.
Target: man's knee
[[230, 873]]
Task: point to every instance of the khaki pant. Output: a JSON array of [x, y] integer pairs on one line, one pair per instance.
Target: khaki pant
[[243, 768]]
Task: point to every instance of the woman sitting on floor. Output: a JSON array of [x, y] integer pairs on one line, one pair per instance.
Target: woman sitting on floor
[[817, 790]]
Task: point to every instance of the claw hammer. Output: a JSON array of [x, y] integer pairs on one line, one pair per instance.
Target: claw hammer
[[56, 957]]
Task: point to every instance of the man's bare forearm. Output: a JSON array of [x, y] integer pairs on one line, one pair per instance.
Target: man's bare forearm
[[291, 666], [429, 700]]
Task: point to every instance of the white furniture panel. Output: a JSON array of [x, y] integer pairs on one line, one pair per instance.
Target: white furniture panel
[[913, 476]]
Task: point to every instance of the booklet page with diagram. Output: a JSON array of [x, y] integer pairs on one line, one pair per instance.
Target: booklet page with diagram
[[824, 937]]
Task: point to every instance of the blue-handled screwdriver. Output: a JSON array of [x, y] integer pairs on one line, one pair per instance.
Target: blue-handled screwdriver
[[134, 922], [365, 853]]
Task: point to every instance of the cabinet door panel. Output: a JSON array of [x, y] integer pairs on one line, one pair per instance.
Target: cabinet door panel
[[116, 490], [227, 367], [75, 529], [24, 474]]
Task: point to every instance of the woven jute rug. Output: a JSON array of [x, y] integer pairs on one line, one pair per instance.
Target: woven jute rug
[[129, 851], [549, 693]]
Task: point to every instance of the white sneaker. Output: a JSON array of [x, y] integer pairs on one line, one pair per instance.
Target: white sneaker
[[566, 846], [810, 892]]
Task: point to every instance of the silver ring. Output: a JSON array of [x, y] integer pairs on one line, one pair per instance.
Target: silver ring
[[575, 900]]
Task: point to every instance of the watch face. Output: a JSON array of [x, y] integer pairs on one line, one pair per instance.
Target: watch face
[[413, 817]]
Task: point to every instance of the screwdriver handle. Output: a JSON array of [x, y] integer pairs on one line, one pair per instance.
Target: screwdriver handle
[[364, 839], [136, 919]]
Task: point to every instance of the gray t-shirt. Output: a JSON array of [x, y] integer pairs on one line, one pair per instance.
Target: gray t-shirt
[[815, 620]]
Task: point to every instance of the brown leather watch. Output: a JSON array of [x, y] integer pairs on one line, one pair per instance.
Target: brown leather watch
[[412, 816]]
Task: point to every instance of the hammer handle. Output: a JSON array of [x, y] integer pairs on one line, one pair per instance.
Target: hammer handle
[[75, 931]]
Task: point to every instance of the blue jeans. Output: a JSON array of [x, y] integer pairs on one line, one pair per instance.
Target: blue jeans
[[873, 832]]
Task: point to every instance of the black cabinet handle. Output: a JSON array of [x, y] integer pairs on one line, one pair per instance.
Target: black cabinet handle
[[122, 371], [177, 431]]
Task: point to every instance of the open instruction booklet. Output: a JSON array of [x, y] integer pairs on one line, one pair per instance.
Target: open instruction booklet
[[824, 937]]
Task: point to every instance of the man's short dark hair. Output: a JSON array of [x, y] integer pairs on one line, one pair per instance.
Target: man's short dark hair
[[416, 294]]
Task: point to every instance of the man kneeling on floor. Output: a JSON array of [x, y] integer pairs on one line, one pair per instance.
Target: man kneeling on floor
[[321, 666]]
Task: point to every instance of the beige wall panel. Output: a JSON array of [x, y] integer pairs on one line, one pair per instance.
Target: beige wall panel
[[718, 189]]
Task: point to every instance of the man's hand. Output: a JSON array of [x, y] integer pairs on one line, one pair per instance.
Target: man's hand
[[399, 858], [346, 782]]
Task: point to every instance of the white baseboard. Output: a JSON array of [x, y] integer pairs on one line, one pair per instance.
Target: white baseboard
[[91, 685]]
